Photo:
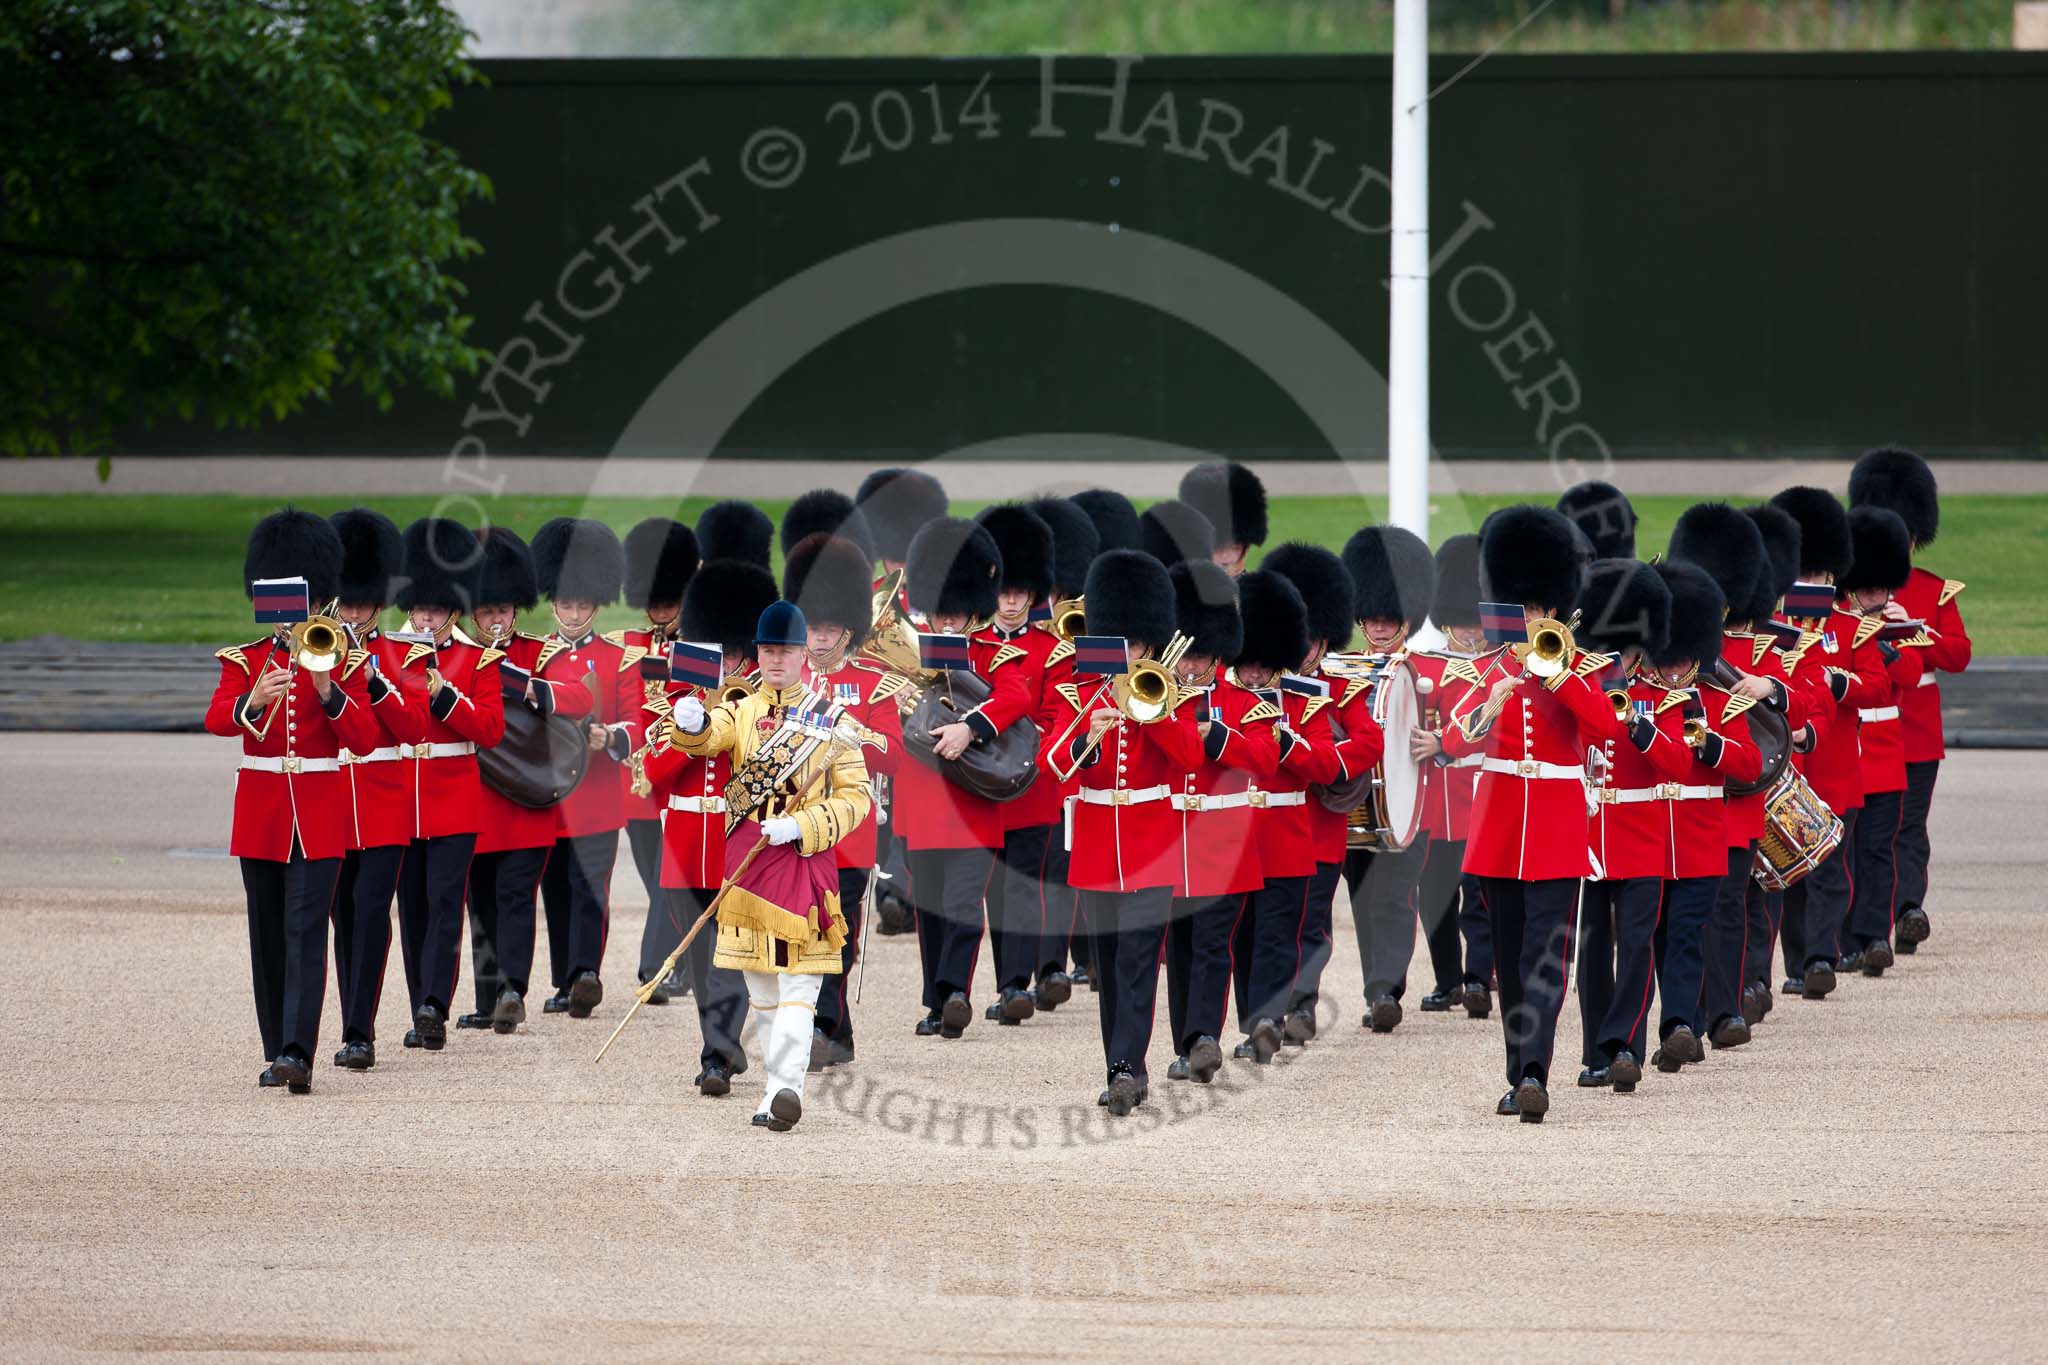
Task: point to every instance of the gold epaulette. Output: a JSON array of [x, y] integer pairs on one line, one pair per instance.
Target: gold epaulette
[[488, 657], [657, 705], [1759, 649], [1673, 697], [1062, 650], [1314, 705], [234, 655], [889, 686], [1182, 696], [1353, 688], [1004, 655], [1071, 693], [1737, 704], [548, 650], [1261, 710], [1949, 588], [616, 637], [1464, 670], [632, 656], [416, 653], [1867, 627], [1590, 663], [353, 662]]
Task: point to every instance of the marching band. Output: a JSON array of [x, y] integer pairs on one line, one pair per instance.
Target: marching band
[[1104, 742]]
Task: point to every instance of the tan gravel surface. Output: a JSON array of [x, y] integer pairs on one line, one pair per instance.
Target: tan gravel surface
[[1869, 1178]]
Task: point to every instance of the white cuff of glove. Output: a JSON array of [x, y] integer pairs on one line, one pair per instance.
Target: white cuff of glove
[[689, 715], [782, 829]]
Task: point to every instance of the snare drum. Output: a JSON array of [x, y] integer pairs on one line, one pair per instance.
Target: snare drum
[[1389, 812], [1799, 832]]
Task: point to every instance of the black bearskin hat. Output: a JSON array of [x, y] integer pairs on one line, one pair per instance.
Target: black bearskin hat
[[954, 568], [1171, 531], [1698, 612], [735, 529], [579, 559], [1275, 621], [1205, 608], [1823, 529], [1881, 549], [1324, 585], [661, 555], [442, 562], [1116, 521], [896, 504], [830, 511], [1024, 543], [827, 577], [1075, 542], [1130, 594], [1393, 575], [724, 602], [1605, 514], [507, 573], [1899, 480], [295, 544], [1625, 606], [372, 556], [1728, 546], [1231, 497], [1530, 554], [1457, 582], [1781, 554]]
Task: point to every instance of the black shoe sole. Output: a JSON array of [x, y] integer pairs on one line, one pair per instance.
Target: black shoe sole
[[1054, 995], [954, 1017], [296, 1076], [585, 995], [1123, 1097], [1532, 1102], [412, 1038], [1817, 982], [1204, 1062], [714, 1087], [1478, 1003], [1875, 959], [1624, 1073], [1297, 1029], [359, 1062], [1017, 1008], [1912, 932], [786, 1108], [1385, 1015], [433, 1033], [508, 1014], [1265, 1041]]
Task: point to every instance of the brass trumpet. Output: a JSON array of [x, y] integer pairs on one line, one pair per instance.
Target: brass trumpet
[[1695, 732], [1624, 709], [1070, 618], [318, 643], [1549, 648]]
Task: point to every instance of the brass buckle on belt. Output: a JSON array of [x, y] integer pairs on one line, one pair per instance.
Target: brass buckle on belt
[[1525, 767], [291, 763], [1192, 801], [1119, 797], [1609, 796], [1255, 798], [1670, 791]]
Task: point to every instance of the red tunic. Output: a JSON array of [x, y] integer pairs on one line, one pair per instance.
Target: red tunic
[[1048, 661], [1307, 753], [1359, 751], [1931, 598], [1883, 737], [1756, 655], [692, 793], [1219, 853], [1124, 824], [1529, 813], [868, 692], [380, 795], [1447, 783], [1629, 829], [290, 784], [1834, 767], [1697, 837], [466, 714], [611, 672], [556, 690], [647, 641], [931, 812]]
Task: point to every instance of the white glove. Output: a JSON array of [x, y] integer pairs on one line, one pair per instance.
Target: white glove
[[782, 829], [688, 713]]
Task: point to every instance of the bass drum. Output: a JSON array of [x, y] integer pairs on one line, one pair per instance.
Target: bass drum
[[1387, 812], [1001, 769], [540, 760]]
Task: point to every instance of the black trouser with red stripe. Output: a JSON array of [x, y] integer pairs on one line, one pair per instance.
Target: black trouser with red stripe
[[362, 935], [1198, 965], [660, 934], [1474, 929], [1317, 917], [1723, 943], [1383, 886], [1436, 902], [720, 992], [1874, 906], [431, 888], [1017, 905], [288, 906], [1681, 964], [948, 886], [502, 888], [1128, 929], [1532, 937], [1911, 844], [576, 890], [1761, 913], [1617, 965], [1817, 905], [835, 996], [1266, 952]]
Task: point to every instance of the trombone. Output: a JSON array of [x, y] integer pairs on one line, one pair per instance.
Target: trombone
[[318, 643], [1070, 618], [1548, 649], [1148, 692]]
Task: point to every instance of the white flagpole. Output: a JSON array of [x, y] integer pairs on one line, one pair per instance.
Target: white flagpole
[[1408, 303]]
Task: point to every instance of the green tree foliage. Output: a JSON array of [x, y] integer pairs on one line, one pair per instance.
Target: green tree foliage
[[218, 210]]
